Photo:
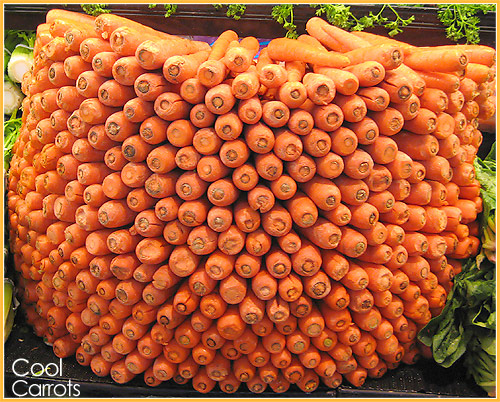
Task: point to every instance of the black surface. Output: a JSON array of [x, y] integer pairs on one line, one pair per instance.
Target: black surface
[[425, 379], [485, 147]]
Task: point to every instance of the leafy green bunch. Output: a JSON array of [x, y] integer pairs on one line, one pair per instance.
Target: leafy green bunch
[[11, 129], [234, 11], [466, 326], [340, 15], [95, 9], [283, 14], [486, 174], [461, 20]]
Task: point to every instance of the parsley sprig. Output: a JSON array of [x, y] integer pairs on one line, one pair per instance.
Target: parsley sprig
[[169, 8], [95, 9], [234, 11], [283, 14], [461, 20], [340, 15]]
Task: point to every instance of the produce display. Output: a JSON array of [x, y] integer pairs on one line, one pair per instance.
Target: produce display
[[471, 304], [230, 213]]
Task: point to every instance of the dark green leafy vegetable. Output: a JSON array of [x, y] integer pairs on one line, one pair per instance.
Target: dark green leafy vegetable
[[486, 174]]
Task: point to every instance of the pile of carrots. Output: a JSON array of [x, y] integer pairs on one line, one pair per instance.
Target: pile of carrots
[[228, 214]]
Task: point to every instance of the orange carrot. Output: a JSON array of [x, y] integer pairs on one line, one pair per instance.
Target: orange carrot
[[247, 265], [219, 219]]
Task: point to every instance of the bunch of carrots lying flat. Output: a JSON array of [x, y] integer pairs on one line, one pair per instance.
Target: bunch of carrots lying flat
[[187, 212]]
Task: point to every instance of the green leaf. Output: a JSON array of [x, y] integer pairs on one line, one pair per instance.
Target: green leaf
[[170, 9], [488, 342], [95, 9], [459, 348], [341, 16], [438, 324], [336, 14], [236, 11], [11, 129], [461, 20], [283, 14]]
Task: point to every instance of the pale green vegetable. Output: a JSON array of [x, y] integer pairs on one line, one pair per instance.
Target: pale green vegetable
[[12, 97], [21, 61]]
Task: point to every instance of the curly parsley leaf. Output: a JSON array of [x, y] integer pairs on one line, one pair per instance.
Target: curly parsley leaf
[[337, 14], [283, 14], [342, 17], [235, 10], [95, 9], [461, 20]]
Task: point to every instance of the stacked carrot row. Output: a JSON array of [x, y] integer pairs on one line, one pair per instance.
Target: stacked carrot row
[[187, 212]]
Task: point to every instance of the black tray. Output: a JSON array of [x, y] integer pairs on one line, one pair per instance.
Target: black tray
[[424, 379]]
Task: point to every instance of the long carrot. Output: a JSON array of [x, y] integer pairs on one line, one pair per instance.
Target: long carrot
[[284, 49]]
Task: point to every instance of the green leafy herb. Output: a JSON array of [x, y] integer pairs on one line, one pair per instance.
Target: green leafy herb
[[341, 16], [235, 10], [461, 20], [396, 26], [337, 14], [170, 9], [27, 37], [11, 129], [95, 9], [283, 14]]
